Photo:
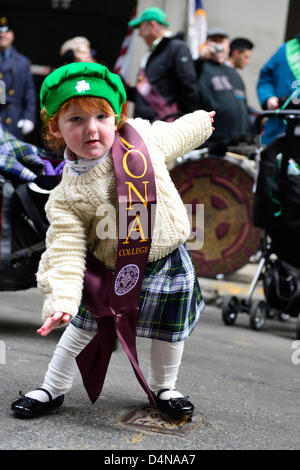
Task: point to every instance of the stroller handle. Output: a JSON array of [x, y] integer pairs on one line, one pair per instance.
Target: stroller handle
[[287, 114]]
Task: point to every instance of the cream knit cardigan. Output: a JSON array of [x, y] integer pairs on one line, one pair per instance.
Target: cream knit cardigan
[[74, 210]]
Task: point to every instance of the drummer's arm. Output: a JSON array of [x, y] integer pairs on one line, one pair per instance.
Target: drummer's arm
[[183, 135]]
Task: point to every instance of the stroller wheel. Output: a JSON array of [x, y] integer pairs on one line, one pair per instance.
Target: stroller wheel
[[258, 314], [230, 309], [298, 327]]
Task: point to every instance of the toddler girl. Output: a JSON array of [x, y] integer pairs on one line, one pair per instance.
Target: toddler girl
[[81, 106]]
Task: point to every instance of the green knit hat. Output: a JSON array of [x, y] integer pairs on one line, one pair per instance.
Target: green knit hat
[[81, 79]]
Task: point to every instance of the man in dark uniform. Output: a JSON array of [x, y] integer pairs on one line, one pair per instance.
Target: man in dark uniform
[[167, 82], [18, 106], [222, 89]]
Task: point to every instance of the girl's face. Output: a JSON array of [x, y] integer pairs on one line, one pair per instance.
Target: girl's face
[[89, 134]]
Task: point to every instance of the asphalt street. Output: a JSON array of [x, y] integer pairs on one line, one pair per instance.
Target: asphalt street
[[244, 384]]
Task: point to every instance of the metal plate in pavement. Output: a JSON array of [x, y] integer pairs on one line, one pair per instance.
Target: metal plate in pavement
[[151, 419]]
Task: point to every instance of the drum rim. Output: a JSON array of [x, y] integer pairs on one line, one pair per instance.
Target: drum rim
[[195, 155]]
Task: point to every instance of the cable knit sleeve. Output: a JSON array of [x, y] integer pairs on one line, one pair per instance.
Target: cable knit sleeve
[[62, 265], [183, 135]]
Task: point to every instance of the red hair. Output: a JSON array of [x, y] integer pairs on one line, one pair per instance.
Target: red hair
[[87, 104]]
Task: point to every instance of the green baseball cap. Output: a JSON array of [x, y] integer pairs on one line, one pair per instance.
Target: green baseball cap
[[150, 14], [81, 79]]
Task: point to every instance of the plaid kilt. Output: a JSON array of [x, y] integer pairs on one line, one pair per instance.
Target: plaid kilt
[[170, 300]]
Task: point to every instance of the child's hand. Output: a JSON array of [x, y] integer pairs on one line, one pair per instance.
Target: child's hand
[[56, 319], [211, 115]]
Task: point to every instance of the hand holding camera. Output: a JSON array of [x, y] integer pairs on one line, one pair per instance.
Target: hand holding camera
[[219, 48], [212, 51]]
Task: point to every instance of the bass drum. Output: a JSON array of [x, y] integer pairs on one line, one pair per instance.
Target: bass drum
[[224, 185]]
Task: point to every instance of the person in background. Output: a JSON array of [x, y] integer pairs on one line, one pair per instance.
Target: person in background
[[278, 79], [222, 89], [166, 86], [240, 53], [18, 111], [239, 57], [77, 49]]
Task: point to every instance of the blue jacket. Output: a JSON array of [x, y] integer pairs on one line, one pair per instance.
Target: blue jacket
[[20, 92], [275, 79]]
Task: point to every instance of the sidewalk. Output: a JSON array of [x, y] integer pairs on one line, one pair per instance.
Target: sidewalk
[[237, 283]]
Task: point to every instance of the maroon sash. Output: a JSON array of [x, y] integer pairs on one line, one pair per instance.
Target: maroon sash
[[113, 300], [164, 111]]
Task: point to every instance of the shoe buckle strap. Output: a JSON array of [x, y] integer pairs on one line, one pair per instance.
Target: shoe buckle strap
[[46, 391]]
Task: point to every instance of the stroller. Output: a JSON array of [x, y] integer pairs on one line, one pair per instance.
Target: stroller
[[27, 176], [276, 211]]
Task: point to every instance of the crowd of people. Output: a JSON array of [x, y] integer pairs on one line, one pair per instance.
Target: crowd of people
[[182, 104], [169, 83]]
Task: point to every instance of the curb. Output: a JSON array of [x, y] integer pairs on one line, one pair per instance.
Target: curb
[[238, 284]]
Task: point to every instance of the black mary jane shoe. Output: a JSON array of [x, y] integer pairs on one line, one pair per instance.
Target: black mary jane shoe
[[175, 407], [26, 407]]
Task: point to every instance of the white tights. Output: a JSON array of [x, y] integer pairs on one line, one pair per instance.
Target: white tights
[[164, 364]]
